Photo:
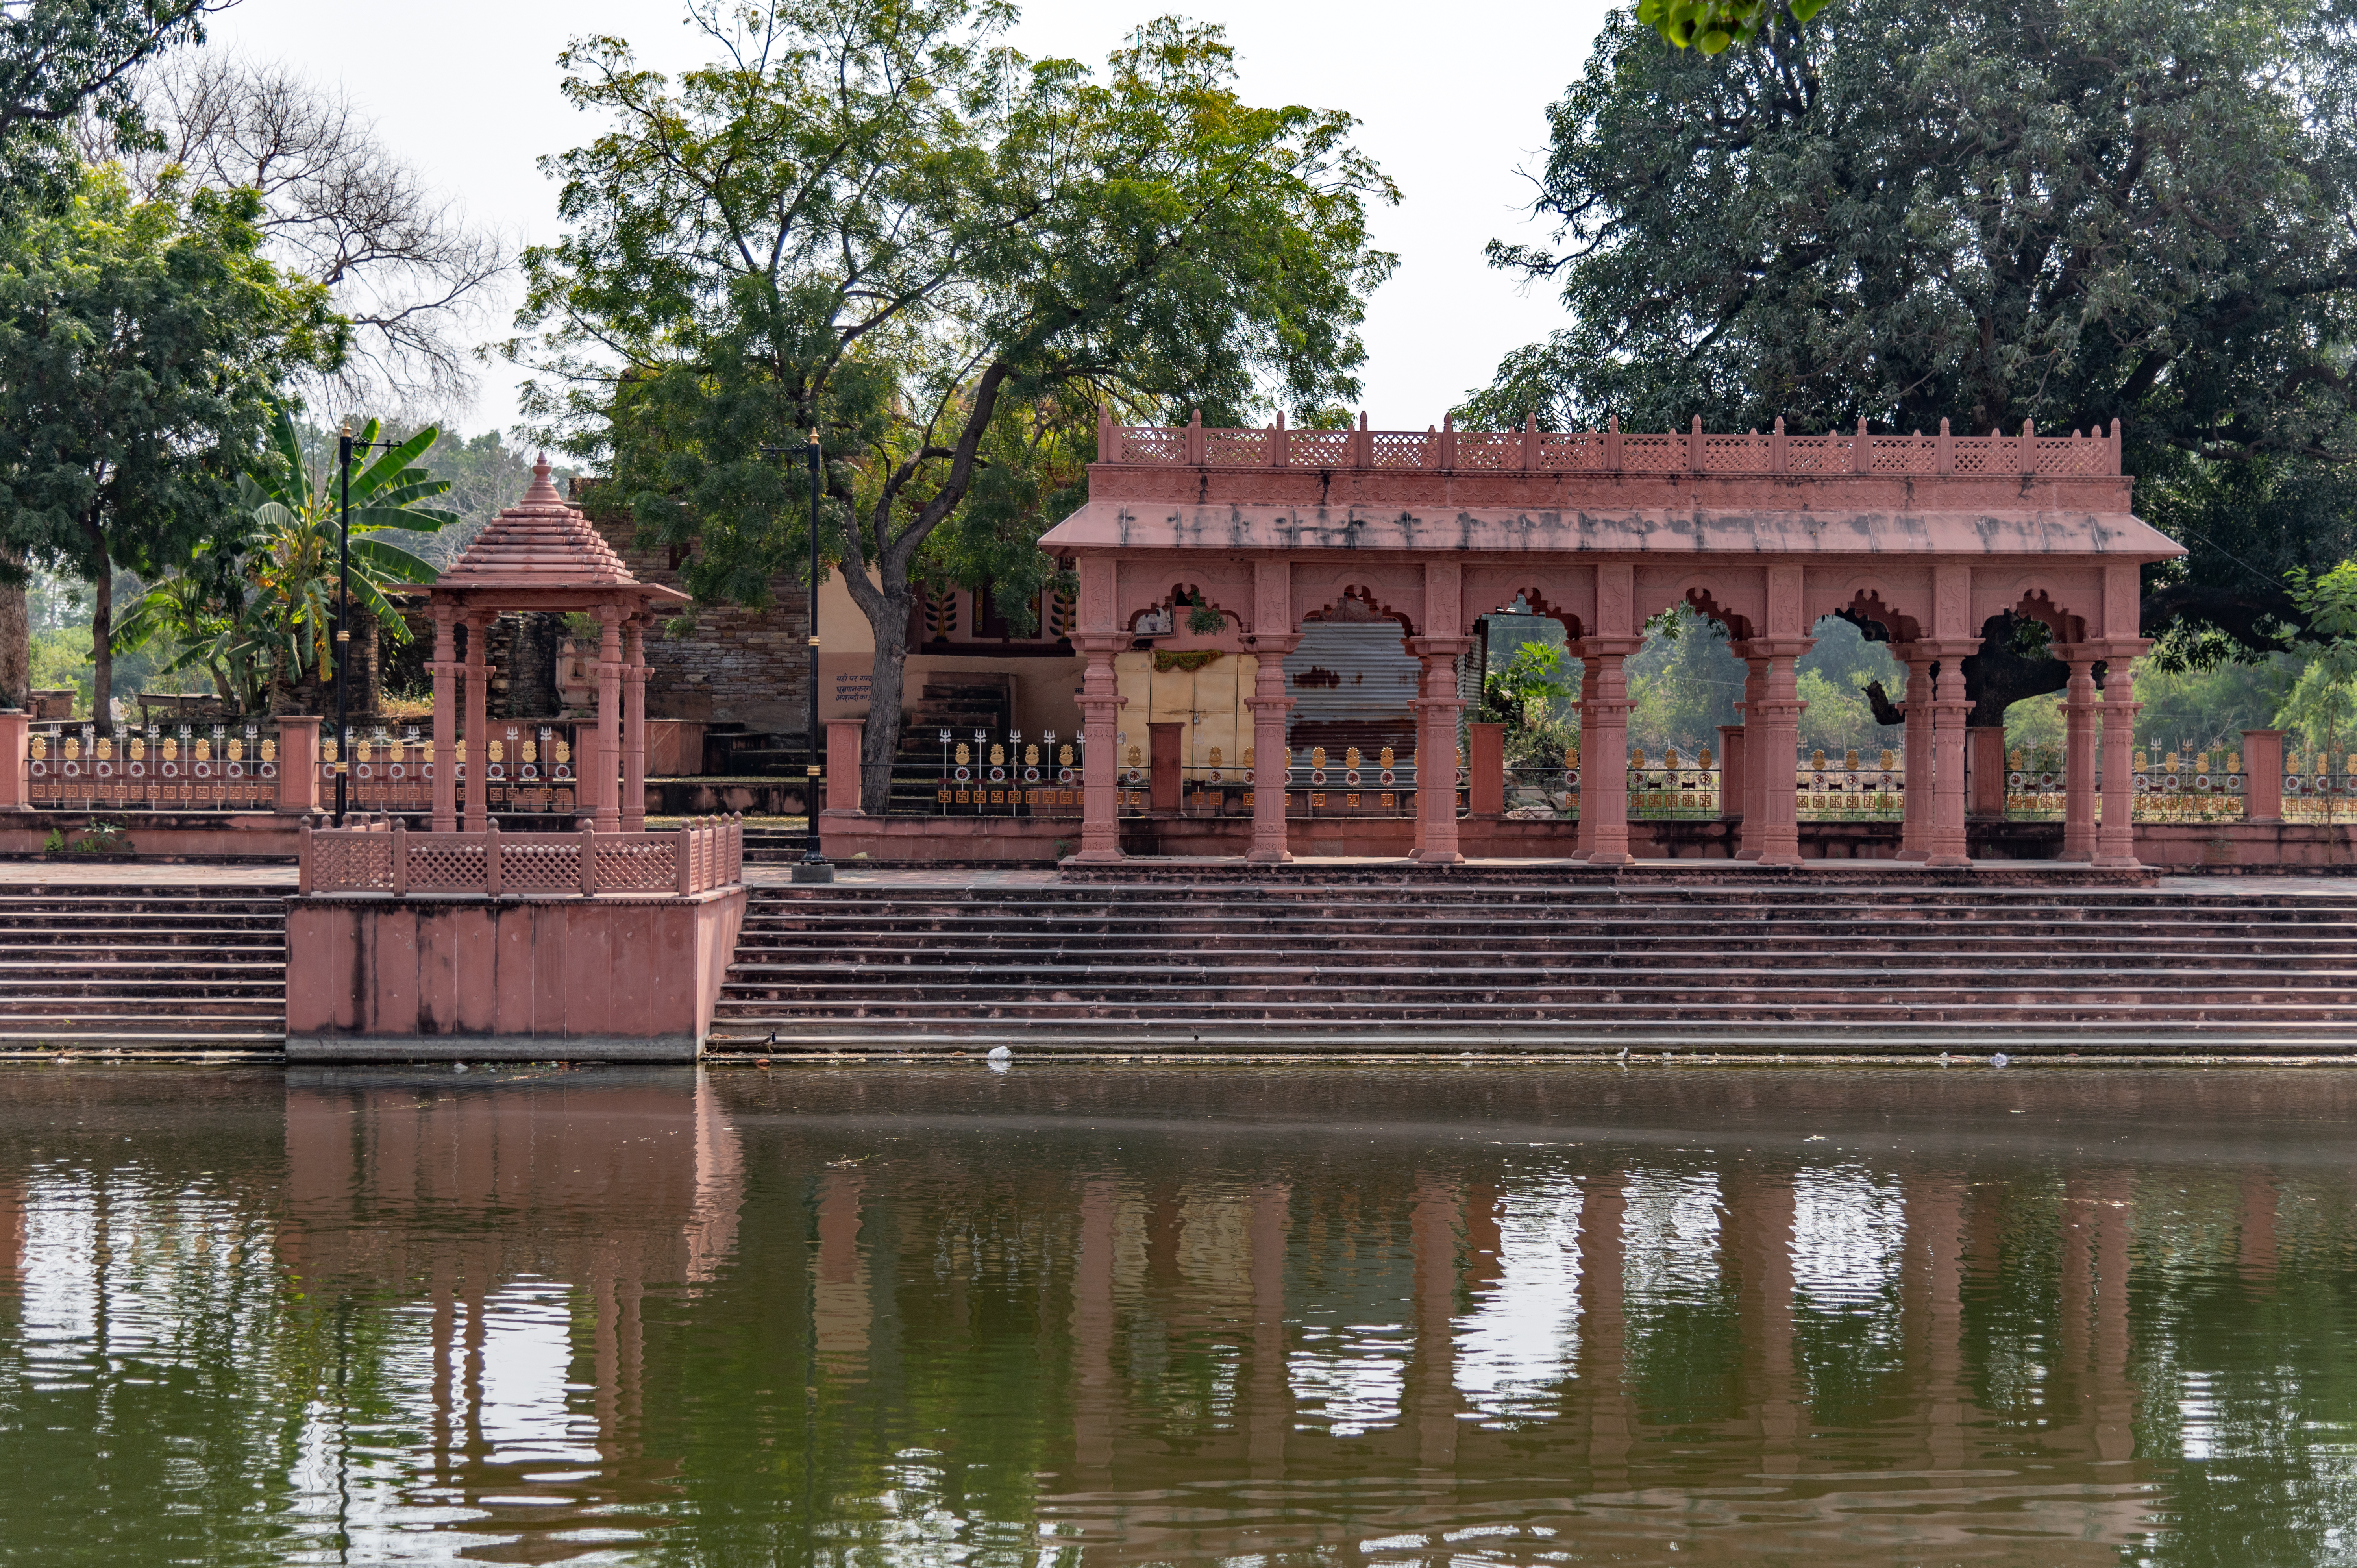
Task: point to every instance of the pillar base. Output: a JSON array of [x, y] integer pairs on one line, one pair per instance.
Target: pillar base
[[2127, 862], [1912, 856], [806, 871], [1268, 857], [1436, 857], [1611, 858], [1746, 854], [1785, 861], [1949, 862], [1097, 857]]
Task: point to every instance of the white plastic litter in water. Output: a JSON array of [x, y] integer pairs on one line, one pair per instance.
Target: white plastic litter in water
[[1999, 1060], [1001, 1058]]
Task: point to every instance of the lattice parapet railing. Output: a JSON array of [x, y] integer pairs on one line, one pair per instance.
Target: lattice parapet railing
[[696, 857], [2091, 454]]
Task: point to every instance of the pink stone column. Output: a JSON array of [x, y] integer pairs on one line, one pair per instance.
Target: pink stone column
[[634, 730], [609, 816], [1269, 706], [843, 738], [479, 726], [1985, 772], [1100, 704], [2262, 754], [1437, 712], [445, 671], [1583, 839], [1485, 763], [1949, 711], [1779, 708], [1604, 769], [1757, 757], [2115, 835], [16, 760], [2079, 709], [1920, 787], [298, 763], [1731, 775]]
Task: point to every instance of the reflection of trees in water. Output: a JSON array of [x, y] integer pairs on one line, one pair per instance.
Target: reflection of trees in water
[[1191, 1315]]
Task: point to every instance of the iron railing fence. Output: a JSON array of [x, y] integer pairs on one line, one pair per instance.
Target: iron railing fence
[[1009, 773], [529, 767], [227, 767]]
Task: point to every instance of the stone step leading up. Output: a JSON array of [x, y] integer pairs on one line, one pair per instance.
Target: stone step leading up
[[132, 966], [1396, 966]]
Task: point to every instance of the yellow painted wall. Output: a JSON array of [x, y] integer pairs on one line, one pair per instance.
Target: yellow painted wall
[[1209, 700]]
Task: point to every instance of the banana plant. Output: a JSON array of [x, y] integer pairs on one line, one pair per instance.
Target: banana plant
[[257, 606]]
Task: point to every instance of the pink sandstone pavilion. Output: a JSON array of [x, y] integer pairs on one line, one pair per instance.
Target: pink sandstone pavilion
[[462, 943], [1925, 536]]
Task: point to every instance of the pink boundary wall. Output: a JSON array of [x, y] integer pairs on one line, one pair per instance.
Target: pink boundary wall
[[473, 979]]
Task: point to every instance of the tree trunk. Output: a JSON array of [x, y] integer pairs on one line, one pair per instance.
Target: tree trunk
[[881, 744], [101, 652], [15, 645]]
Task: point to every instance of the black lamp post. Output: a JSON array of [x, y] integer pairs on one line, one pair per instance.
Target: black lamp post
[[814, 866], [344, 444]]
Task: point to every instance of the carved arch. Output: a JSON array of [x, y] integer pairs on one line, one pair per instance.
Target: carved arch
[[1183, 597], [2064, 601], [1736, 601], [1360, 605]]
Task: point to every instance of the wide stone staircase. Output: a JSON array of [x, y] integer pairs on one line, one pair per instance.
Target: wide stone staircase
[[1395, 966], [168, 967]]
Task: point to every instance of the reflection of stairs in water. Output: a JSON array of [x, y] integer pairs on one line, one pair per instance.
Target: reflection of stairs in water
[[1531, 961], [175, 967]]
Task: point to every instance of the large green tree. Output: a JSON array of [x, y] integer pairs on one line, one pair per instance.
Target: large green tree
[[2070, 210], [64, 60], [142, 346], [868, 222]]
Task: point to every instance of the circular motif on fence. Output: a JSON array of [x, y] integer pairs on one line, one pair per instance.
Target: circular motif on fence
[[270, 770], [2293, 784], [69, 769], [2234, 781], [528, 773], [2201, 782], [40, 768], [1350, 775], [961, 774], [106, 768], [1571, 777], [165, 769], [397, 772], [138, 769], [2046, 781], [498, 771], [1030, 776], [1066, 775], [1318, 776], [1136, 775], [236, 769], [2014, 780], [1386, 777], [359, 769], [563, 772]]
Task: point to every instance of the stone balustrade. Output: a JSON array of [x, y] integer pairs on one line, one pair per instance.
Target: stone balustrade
[[376, 858]]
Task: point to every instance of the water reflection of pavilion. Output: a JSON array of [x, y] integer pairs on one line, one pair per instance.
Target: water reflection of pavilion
[[530, 1222]]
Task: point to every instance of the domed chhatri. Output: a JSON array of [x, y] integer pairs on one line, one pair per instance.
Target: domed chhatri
[[540, 541], [543, 555]]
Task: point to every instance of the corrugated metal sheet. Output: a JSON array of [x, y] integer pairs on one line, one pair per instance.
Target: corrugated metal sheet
[[1351, 675]]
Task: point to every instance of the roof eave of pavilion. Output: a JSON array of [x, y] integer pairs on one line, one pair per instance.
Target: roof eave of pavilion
[[1645, 531], [530, 593]]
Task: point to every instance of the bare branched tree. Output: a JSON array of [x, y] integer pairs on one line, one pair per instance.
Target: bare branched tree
[[406, 265]]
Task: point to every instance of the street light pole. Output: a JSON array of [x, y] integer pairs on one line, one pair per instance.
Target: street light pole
[[344, 444], [343, 612], [814, 866]]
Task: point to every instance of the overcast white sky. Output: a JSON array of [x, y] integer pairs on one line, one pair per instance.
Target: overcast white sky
[[1452, 99]]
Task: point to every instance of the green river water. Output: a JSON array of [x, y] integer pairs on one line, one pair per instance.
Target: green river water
[[1119, 1313]]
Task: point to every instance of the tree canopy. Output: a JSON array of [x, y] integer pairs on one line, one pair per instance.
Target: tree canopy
[[867, 221], [61, 60], [2005, 209], [142, 348]]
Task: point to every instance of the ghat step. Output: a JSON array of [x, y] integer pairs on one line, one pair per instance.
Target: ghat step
[[133, 966], [1225, 966]]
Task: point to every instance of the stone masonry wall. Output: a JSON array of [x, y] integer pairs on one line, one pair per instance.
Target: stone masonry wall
[[743, 665]]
